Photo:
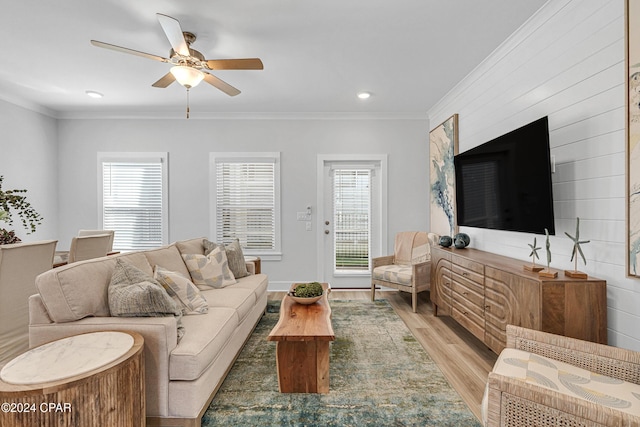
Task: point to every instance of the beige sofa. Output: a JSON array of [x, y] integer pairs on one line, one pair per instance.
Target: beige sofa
[[181, 377]]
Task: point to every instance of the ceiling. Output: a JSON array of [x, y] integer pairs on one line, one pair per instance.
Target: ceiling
[[317, 54]]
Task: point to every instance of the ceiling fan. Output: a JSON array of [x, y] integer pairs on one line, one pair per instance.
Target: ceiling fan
[[189, 66]]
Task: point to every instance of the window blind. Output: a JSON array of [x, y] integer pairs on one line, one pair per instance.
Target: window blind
[[352, 207], [132, 204], [245, 203]]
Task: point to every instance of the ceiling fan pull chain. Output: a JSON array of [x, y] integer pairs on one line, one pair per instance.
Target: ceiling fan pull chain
[[187, 103]]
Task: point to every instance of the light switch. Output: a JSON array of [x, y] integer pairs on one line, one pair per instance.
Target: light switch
[[303, 216], [308, 226]]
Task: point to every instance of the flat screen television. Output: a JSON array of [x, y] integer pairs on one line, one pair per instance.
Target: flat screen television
[[505, 184]]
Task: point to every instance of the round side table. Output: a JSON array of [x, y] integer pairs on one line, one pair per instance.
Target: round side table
[[93, 379]]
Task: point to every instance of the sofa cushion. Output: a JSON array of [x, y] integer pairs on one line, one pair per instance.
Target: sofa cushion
[[400, 274], [567, 379], [257, 283], [182, 290], [69, 294], [137, 259], [205, 338], [133, 293], [210, 271], [191, 246], [168, 257], [239, 299]]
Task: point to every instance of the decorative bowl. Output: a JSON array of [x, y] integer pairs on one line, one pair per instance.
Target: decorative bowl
[[304, 301], [306, 293]]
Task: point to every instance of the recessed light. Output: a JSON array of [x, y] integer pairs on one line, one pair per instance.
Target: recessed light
[[94, 94], [364, 95]]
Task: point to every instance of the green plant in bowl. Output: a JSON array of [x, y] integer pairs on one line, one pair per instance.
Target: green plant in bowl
[[307, 293]]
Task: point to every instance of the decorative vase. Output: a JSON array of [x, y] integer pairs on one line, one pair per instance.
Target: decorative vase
[[445, 241], [461, 240]]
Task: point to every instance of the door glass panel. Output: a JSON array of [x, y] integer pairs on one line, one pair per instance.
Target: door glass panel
[[351, 220]]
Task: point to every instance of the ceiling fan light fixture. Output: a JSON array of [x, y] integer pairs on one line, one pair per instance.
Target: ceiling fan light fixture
[[94, 94], [187, 76]]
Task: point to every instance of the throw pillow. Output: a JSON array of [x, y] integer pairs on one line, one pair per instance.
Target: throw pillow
[[133, 293], [210, 246], [182, 290], [235, 257], [210, 271]]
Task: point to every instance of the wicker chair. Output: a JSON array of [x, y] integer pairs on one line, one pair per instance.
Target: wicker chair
[[511, 401], [408, 269]]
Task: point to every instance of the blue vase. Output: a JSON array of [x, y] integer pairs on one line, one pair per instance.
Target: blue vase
[[461, 240], [445, 241]]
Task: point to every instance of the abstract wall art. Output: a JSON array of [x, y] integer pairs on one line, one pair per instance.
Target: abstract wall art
[[633, 136], [443, 145]]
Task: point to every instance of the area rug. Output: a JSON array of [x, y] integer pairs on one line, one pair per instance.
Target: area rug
[[379, 376]]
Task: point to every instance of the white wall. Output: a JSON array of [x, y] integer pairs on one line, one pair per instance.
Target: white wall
[[566, 62], [299, 141], [29, 160]]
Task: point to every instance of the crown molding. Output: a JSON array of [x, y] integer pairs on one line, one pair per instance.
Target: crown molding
[[175, 115], [31, 106]]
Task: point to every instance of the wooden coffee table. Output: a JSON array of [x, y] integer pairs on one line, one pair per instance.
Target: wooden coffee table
[[302, 338]]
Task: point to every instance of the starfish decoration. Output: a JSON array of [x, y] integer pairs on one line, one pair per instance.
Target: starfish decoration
[[576, 244], [534, 250]]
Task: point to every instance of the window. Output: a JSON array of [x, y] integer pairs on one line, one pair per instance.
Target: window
[[133, 202], [246, 200]]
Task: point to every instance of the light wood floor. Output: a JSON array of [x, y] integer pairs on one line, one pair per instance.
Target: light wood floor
[[462, 358]]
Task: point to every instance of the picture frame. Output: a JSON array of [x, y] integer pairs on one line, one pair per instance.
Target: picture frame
[[443, 146], [632, 136]]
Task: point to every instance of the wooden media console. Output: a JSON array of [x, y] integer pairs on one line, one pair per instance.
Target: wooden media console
[[485, 292]]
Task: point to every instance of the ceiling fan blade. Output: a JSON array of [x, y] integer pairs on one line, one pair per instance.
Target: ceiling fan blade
[[223, 86], [172, 29], [165, 80], [235, 64], [129, 51]]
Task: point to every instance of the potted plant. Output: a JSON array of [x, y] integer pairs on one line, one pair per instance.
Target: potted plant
[[14, 201], [307, 293]]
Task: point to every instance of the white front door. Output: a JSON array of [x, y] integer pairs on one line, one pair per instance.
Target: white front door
[[351, 218]]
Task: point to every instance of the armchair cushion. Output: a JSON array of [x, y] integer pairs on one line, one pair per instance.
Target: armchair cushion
[[592, 382], [412, 247], [400, 274], [568, 379]]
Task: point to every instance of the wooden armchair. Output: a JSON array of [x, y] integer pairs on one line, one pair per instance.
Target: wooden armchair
[[608, 395], [408, 269]]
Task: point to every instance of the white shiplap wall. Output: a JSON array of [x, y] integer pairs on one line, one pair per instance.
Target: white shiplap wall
[[567, 62]]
